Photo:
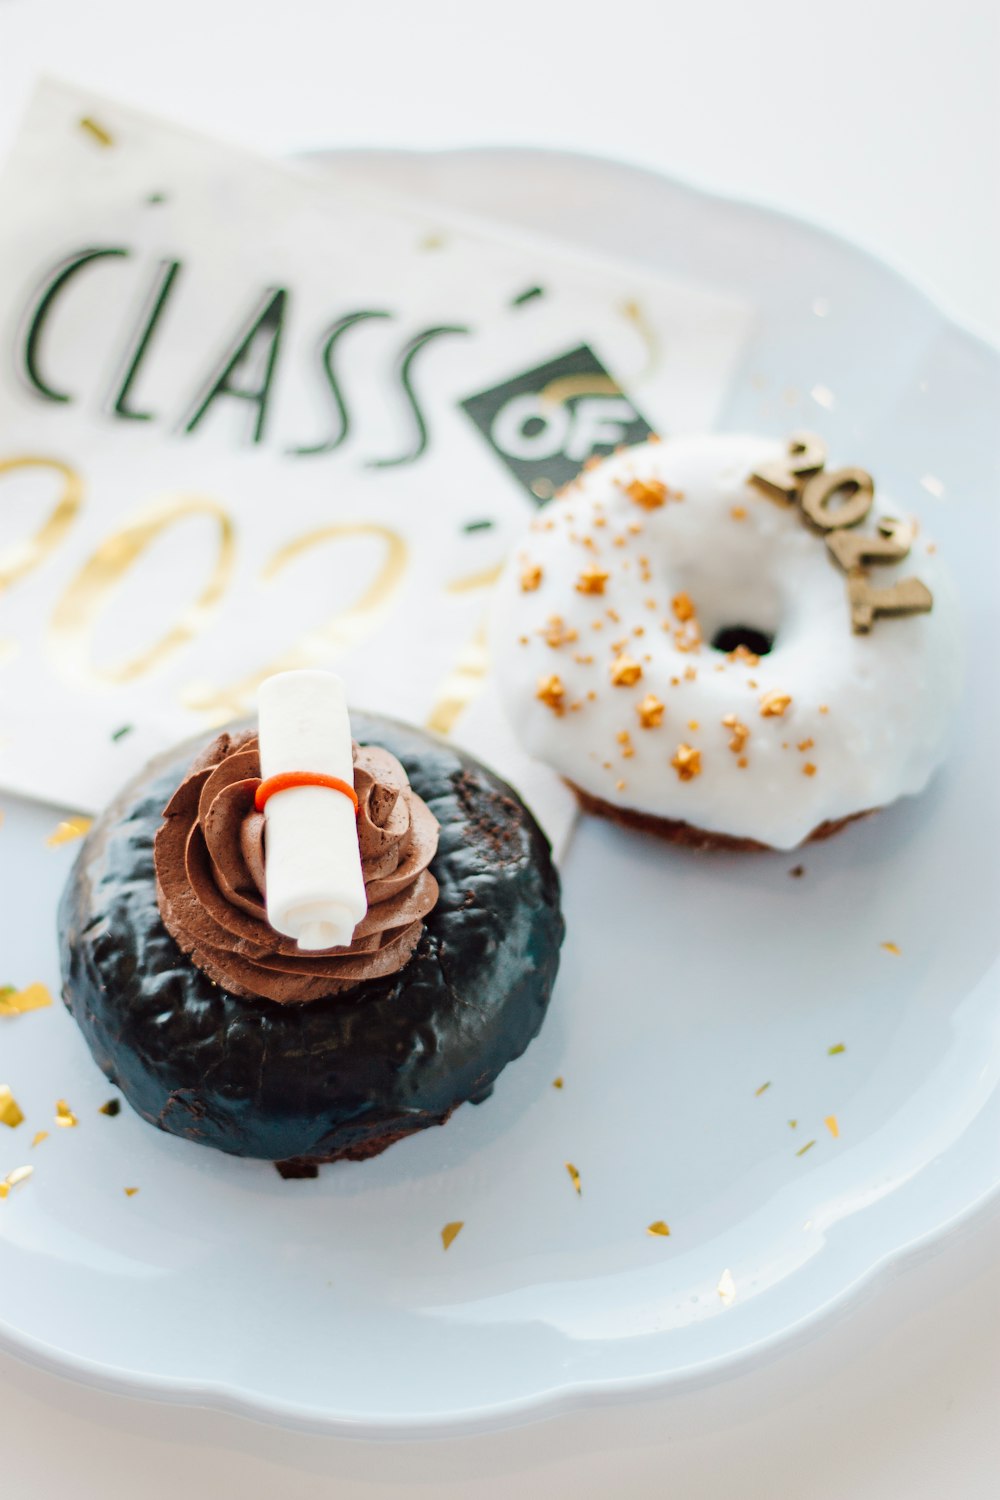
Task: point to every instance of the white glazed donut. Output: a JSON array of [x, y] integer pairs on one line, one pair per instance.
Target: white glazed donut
[[602, 643]]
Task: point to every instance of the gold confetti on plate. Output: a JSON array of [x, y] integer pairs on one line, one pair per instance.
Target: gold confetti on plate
[[10, 1111], [658, 1228], [574, 1177], [17, 1002], [68, 830], [97, 131], [39, 1136], [557, 1083], [110, 1107], [762, 1090], [830, 1121], [64, 1115], [892, 948], [726, 1288], [449, 1233], [19, 1174], [807, 1147], [837, 1048], [131, 1192]]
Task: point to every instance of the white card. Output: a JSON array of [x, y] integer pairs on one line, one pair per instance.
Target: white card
[[251, 418]]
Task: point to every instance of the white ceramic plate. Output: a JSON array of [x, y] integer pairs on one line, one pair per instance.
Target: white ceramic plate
[[687, 983]]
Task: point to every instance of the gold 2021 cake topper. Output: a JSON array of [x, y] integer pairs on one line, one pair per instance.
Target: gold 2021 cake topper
[[833, 502]]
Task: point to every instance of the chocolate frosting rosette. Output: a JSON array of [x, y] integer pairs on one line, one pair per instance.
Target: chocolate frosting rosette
[[211, 887]]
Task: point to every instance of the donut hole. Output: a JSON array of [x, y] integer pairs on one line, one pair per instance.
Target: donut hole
[[730, 637]]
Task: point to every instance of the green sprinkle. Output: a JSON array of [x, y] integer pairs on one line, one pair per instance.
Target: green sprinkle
[[793, 1124], [119, 734], [528, 296], [807, 1147], [837, 1047], [478, 526], [762, 1090]]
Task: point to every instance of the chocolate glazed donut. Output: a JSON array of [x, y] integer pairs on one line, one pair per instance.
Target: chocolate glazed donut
[[342, 1076]]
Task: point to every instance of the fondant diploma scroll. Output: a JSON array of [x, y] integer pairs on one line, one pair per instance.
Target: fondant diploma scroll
[[832, 502], [314, 885]]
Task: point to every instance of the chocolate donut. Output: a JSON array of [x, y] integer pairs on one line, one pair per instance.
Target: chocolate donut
[[457, 973]]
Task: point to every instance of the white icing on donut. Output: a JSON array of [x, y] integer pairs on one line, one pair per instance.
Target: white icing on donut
[[869, 714]]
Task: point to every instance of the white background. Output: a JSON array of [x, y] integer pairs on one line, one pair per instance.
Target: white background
[[876, 118]]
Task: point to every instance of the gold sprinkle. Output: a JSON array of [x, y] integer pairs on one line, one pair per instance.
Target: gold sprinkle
[[39, 1136], [793, 1124], [558, 1083], [557, 633], [613, 614], [449, 1233], [625, 671], [619, 786], [592, 580], [742, 763], [740, 733], [893, 948], [64, 1115], [809, 769], [690, 673], [10, 1111], [762, 1090], [19, 1174], [574, 1178], [738, 513], [531, 578], [773, 705], [659, 1228], [100, 135], [650, 712], [807, 1147], [17, 1002], [744, 654], [551, 692], [726, 1288], [687, 762], [110, 1107], [682, 607], [824, 708], [649, 493], [693, 723], [835, 1049], [830, 1121], [67, 831], [804, 745]]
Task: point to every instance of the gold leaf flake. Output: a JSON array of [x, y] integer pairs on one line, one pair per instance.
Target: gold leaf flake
[[807, 1147], [67, 831], [64, 1115], [449, 1233], [19, 1174], [574, 1177], [110, 1107], [837, 1047], [726, 1288], [39, 1136], [551, 691], [17, 1002], [97, 131], [625, 671], [773, 705], [658, 1227], [687, 762], [762, 1090], [893, 948], [131, 1192], [557, 1083], [830, 1121], [531, 578], [649, 493], [10, 1110]]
